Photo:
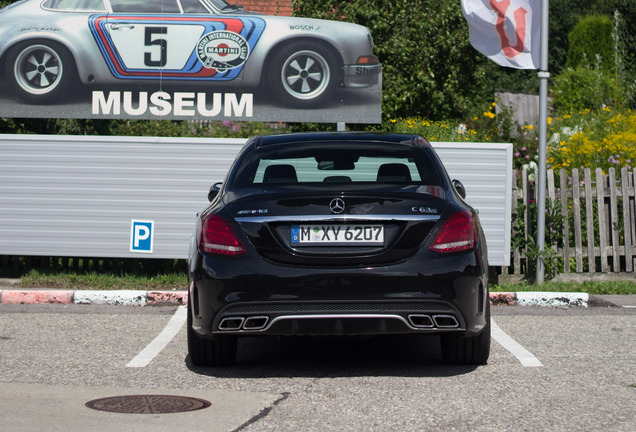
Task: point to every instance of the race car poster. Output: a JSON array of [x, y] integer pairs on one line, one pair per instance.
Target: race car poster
[[183, 60]]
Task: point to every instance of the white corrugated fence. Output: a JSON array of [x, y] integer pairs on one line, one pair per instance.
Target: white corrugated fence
[[78, 196]]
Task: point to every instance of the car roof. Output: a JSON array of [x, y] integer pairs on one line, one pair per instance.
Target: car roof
[[339, 137]]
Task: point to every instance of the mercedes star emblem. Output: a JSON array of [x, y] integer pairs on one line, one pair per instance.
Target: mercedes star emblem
[[337, 205]]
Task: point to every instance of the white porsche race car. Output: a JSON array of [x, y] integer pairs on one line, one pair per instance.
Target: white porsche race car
[[47, 45]]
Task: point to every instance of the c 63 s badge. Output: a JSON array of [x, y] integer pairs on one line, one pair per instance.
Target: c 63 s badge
[[222, 50]]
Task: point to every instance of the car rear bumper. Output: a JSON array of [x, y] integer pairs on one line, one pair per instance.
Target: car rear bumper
[[339, 318], [361, 76], [257, 299]]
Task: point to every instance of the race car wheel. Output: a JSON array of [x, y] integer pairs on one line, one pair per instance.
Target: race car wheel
[[40, 70], [304, 76]]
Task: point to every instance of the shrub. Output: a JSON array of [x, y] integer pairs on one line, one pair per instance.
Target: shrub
[[436, 130], [583, 88], [590, 39]]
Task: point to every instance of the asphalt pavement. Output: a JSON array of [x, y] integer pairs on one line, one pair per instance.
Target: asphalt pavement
[[550, 369]]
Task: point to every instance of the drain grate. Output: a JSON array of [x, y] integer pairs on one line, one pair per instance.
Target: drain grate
[[148, 404]]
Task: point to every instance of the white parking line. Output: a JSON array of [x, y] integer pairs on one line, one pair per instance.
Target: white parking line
[[523, 355], [160, 342]]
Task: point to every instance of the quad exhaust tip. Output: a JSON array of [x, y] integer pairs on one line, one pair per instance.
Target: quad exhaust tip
[[421, 321], [251, 323], [255, 323], [231, 323], [433, 321], [445, 321]]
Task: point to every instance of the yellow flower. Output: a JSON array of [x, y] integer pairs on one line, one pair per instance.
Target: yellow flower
[[549, 121], [393, 120], [530, 127]]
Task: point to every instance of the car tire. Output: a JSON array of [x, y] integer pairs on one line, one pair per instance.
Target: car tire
[[219, 351], [40, 71], [303, 75], [471, 350]]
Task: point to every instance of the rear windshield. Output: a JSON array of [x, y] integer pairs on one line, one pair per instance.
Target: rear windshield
[[337, 163]]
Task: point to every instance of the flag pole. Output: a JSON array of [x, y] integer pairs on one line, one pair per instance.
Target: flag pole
[[544, 75]]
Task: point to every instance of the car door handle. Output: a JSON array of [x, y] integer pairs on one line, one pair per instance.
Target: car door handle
[[122, 26]]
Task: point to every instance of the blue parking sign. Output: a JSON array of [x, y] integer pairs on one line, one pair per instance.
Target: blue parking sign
[[141, 236]]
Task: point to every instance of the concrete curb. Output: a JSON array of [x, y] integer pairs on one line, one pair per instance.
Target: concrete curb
[[176, 298], [109, 297], [536, 298]]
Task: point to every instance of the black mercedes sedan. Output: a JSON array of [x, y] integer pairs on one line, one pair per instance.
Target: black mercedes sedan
[[338, 234]]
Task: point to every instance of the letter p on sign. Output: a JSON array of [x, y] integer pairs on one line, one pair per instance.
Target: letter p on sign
[[141, 236]]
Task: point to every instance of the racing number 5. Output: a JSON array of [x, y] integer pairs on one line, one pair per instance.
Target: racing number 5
[[163, 43]]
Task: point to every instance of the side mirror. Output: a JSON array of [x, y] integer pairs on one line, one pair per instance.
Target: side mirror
[[459, 187], [214, 191]]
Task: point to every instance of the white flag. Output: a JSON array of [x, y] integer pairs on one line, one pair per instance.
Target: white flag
[[506, 31]]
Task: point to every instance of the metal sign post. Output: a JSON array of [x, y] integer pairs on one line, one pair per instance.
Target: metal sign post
[[543, 129]]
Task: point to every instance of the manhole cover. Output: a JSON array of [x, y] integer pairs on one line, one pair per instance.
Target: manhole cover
[[148, 404]]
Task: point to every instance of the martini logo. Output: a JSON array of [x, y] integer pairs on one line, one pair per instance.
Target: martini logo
[[222, 50]]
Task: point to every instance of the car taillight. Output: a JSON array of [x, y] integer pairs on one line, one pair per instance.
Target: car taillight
[[216, 236], [458, 234]]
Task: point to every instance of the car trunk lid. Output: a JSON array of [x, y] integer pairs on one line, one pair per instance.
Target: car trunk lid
[[337, 229]]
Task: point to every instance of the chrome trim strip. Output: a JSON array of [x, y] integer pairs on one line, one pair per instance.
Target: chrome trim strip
[[346, 316], [336, 316], [337, 218]]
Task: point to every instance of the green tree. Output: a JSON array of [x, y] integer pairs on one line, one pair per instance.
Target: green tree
[[599, 73], [429, 66], [565, 15]]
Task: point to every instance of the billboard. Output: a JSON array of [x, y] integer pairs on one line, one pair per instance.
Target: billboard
[[183, 60]]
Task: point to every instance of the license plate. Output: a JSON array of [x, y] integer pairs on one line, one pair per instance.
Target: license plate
[[334, 235]]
